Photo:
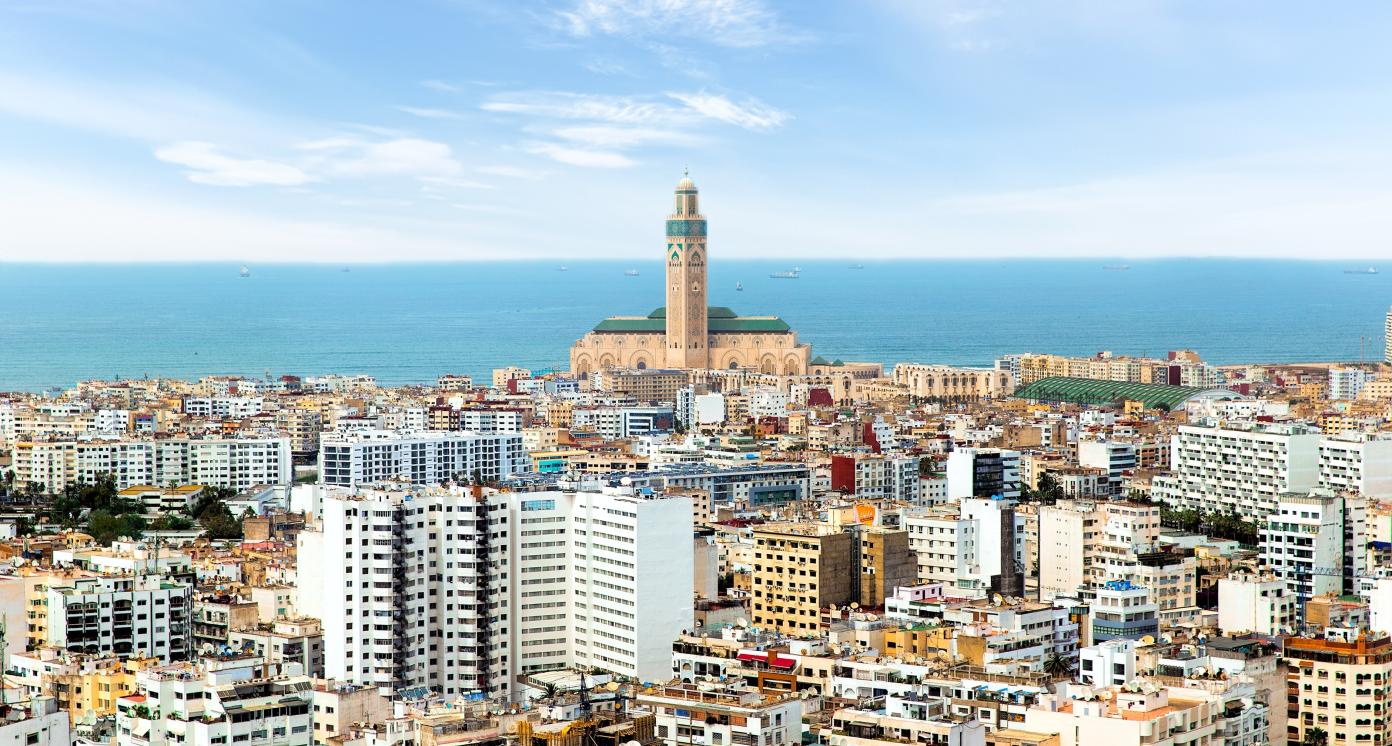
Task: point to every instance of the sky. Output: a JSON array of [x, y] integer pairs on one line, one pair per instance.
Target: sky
[[317, 131]]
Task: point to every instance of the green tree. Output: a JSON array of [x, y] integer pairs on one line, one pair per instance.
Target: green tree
[[1315, 737], [1058, 666], [105, 526], [171, 522]]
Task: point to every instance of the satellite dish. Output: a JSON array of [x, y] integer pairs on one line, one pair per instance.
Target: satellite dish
[[1200, 671], [996, 599], [1147, 640], [855, 605], [741, 622]]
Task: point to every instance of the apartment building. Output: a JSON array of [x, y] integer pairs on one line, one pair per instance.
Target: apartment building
[[302, 426], [237, 463], [1357, 462], [229, 699], [1143, 715], [800, 569], [373, 456], [873, 476], [1114, 458], [1316, 543], [461, 590], [1340, 685], [693, 714], [640, 385], [406, 587], [983, 472], [945, 545], [1255, 603], [1122, 610], [1242, 470], [134, 616]]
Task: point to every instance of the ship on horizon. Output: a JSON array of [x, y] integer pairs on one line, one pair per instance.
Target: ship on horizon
[[1116, 267], [791, 274], [630, 273], [245, 271], [1368, 271]]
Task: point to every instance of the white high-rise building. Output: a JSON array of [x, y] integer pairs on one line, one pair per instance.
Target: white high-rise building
[[1246, 470], [408, 588], [1357, 462], [1345, 383], [983, 472], [1114, 458], [459, 590], [946, 547], [423, 458], [131, 616], [1316, 544]]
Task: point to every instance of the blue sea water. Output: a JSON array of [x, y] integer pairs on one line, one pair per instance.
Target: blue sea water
[[410, 322]]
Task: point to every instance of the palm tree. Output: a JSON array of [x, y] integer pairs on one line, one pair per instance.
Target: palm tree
[[1315, 737], [1058, 666]]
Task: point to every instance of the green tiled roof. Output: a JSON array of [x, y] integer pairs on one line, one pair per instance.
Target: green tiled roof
[[718, 319], [1091, 391]]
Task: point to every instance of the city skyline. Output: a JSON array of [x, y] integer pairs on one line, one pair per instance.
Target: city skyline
[[444, 132]]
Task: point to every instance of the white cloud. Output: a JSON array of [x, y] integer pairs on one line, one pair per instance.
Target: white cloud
[[563, 105], [451, 181], [207, 164], [750, 114], [729, 23], [580, 156], [511, 172], [607, 136], [426, 113], [407, 156]]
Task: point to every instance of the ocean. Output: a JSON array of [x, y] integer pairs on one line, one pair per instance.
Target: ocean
[[408, 323]]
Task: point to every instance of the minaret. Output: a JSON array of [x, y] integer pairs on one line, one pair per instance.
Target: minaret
[[686, 281]]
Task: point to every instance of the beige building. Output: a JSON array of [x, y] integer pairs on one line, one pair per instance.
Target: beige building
[[956, 384], [642, 385], [799, 569], [1339, 688], [687, 333]]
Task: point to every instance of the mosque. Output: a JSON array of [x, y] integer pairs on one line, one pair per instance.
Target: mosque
[[687, 333]]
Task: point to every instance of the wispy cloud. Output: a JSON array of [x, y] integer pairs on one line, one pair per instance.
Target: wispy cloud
[[207, 164], [605, 136], [427, 113], [403, 157], [440, 86], [580, 156], [511, 172], [728, 23], [563, 105], [749, 114], [608, 124]]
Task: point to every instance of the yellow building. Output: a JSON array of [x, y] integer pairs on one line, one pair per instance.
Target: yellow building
[[1340, 688], [799, 569], [687, 333]]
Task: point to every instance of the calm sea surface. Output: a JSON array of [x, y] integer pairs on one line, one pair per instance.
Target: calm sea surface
[[410, 322]]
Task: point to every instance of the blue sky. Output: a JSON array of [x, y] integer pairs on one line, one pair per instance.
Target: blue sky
[[350, 131]]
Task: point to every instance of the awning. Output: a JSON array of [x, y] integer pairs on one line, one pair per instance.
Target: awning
[[777, 661]]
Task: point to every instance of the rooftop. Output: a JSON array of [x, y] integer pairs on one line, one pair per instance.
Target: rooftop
[[718, 319], [1092, 391]]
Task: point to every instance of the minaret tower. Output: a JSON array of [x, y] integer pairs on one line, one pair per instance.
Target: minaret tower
[[686, 281]]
